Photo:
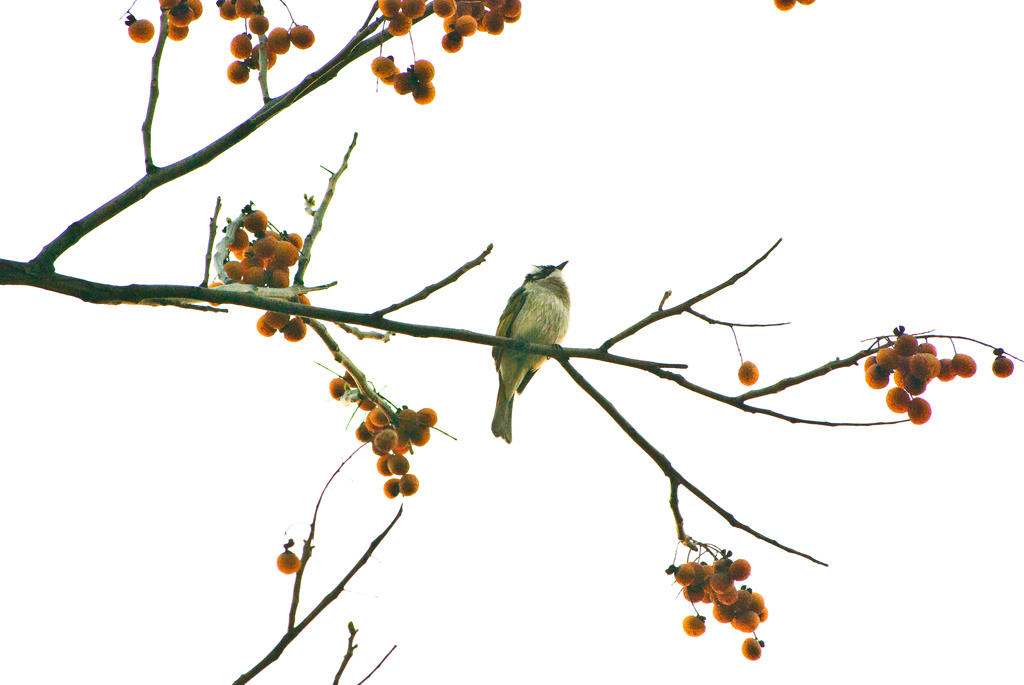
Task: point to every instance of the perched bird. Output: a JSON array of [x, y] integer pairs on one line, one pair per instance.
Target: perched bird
[[538, 312]]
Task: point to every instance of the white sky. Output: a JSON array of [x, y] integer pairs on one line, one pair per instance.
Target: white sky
[[154, 457]]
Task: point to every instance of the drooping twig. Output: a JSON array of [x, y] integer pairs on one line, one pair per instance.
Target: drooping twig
[[666, 466], [288, 637], [318, 217], [716, 322], [685, 306], [154, 93], [209, 245], [348, 652], [426, 292], [393, 648], [365, 389]]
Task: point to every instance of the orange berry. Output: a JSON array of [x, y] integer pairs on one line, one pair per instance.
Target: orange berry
[[295, 330], [180, 16], [806, 2], [363, 434], [905, 345], [723, 613], [748, 373], [227, 10], [876, 377], [285, 254], [423, 71], [763, 615], [964, 366], [444, 8], [423, 93], [240, 241], [383, 67], [177, 33], [785, 5], [740, 569], [898, 400], [414, 9], [392, 488], [389, 8], [259, 24], [305, 300], [925, 366], [245, 8], [746, 621], [233, 270], [694, 625], [1002, 366], [512, 9], [400, 25], [493, 23], [295, 239], [756, 602], [256, 275], [409, 485], [728, 597], [265, 329], [377, 418], [426, 417], [238, 73], [751, 648], [278, 41], [398, 464], [720, 581], [465, 26], [419, 435], [403, 83], [451, 42], [382, 465], [911, 383], [266, 247], [927, 348], [256, 221], [301, 37], [167, 4], [279, 278], [919, 411], [869, 362], [241, 46], [141, 30], [685, 574], [288, 562], [338, 387], [946, 370], [385, 441], [366, 404], [887, 359], [197, 7]]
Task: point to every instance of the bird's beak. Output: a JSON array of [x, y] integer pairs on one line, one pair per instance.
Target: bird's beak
[[562, 265]]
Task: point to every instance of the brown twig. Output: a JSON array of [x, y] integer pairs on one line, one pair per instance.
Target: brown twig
[[393, 648], [360, 334], [154, 93], [288, 637], [264, 69], [685, 306], [348, 652], [666, 466], [430, 289], [365, 389], [716, 322], [318, 217], [209, 244]]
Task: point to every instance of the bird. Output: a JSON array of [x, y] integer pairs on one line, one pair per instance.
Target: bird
[[538, 312]]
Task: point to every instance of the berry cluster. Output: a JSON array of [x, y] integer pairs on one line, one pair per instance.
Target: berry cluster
[[748, 373], [279, 40], [913, 366], [180, 13], [400, 14], [786, 5], [716, 584], [288, 562], [392, 441], [416, 79], [464, 19]]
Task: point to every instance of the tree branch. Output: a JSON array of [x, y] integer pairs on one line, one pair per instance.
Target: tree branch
[[426, 292]]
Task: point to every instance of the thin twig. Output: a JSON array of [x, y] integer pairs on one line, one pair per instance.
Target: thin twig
[[154, 93], [288, 637], [666, 466], [360, 334], [430, 289], [209, 245], [377, 666], [264, 68], [685, 306], [664, 299], [348, 652], [365, 389], [318, 217], [716, 322]]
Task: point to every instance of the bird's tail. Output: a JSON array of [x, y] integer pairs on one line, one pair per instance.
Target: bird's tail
[[501, 425]]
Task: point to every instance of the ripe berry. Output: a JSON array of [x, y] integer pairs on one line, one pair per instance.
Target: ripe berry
[[238, 73], [964, 366], [245, 8], [177, 33], [278, 278], [241, 46], [398, 464], [392, 488], [141, 30], [426, 416], [255, 275], [806, 2], [288, 562], [197, 8], [512, 9], [285, 254], [748, 373], [423, 93], [295, 239], [363, 434], [227, 10], [746, 621], [740, 569], [925, 366], [419, 435], [181, 16], [295, 330], [278, 41], [383, 67], [946, 370], [377, 418], [265, 248], [409, 485], [887, 359], [301, 37], [276, 320], [898, 400], [451, 42], [751, 647], [234, 270], [927, 348], [685, 574], [876, 377], [785, 5], [919, 411], [404, 83], [423, 71], [382, 465], [465, 26], [385, 441], [264, 328], [400, 25], [493, 23], [444, 8], [906, 345], [1002, 366], [694, 626], [338, 387], [390, 8], [414, 9], [259, 24], [255, 221]]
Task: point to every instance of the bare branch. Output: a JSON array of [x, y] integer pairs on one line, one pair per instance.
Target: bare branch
[[664, 299], [154, 93], [685, 306], [716, 322], [209, 245], [377, 666], [318, 218], [430, 289], [348, 652], [666, 466], [264, 68], [365, 389], [288, 637], [360, 334]]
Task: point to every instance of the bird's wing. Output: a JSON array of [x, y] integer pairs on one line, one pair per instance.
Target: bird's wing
[[526, 379], [508, 317]]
